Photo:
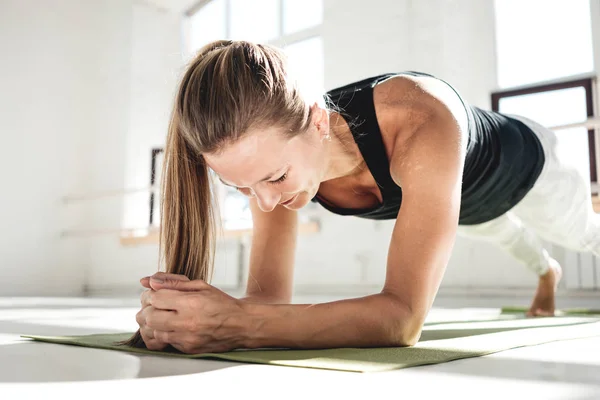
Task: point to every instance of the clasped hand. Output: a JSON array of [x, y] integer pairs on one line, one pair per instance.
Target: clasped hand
[[192, 316]]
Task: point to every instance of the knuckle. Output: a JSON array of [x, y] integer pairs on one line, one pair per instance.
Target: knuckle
[[189, 324], [144, 297], [193, 301], [163, 337], [173, 283], [139, 318], [149, 321], [186, 347], [153, 298], [145, 333]]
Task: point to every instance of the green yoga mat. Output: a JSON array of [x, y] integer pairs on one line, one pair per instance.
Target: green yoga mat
[[440, 342], [563, 311]]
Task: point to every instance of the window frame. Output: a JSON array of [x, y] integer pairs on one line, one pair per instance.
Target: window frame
[[281, 40], [587, 83], [153, 167]]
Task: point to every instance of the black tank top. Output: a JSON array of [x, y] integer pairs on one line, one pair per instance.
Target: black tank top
[[503, 159]]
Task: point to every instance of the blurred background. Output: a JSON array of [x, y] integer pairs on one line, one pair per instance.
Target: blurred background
[[86, 88]]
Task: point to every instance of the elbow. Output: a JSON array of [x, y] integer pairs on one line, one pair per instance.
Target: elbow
[[404, 326], [403, 337], [408, 339]]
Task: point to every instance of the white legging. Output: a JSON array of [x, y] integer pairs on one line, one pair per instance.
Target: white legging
[[558, 209]]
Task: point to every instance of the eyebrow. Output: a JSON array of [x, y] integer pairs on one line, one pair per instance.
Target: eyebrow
[[266, 178]]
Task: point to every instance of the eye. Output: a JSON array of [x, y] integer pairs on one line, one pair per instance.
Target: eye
[[283, 178]]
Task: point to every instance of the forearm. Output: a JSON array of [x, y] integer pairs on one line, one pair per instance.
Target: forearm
[[372, 321]]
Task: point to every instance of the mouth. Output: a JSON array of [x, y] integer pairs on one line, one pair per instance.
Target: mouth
[[285, 203]]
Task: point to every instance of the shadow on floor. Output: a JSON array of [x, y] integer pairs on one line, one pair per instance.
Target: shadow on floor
[[471, 328], [524, 369], [25, 360], [47, 362]]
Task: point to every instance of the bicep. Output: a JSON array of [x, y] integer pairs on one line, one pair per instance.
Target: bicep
[[272, 253]]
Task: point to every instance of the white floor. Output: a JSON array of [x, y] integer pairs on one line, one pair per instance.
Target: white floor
[[30, 370]]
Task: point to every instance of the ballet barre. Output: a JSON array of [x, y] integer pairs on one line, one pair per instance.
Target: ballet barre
[[150, 234]]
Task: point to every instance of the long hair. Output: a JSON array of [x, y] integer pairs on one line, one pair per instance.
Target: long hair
[[229, 88]]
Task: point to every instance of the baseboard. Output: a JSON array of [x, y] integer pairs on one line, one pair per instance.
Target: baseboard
[[360, 290]]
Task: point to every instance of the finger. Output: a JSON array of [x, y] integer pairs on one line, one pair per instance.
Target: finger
[[145, 299], [162, 320], [165, 299], [200, 347], [145, 281], [147, 333], [156, 345], [171, 337], [184, 286], [158, 281], [140, 318], [165, 276], [150, 340]]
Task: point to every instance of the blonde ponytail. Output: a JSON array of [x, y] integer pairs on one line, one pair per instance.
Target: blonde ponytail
[[229, 88]]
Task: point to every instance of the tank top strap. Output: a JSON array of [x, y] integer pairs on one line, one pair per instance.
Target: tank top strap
[[355, 103]]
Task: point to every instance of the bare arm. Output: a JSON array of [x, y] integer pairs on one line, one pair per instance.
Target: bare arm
[[429, 168], [272, 253]]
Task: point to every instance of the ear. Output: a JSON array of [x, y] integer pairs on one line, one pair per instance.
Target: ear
[[320, 119]]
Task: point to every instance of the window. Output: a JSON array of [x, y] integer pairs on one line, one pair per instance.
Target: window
[[306, 61], [555, 105], [293, 25], [155, 178], [254, 20], [206, 26], [301, 14], [545, 63], [541, 40]]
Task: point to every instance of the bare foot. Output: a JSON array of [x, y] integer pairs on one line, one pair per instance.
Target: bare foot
[[543, 302]]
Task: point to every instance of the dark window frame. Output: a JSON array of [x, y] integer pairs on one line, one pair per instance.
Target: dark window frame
[[586, 83], [155, 152]]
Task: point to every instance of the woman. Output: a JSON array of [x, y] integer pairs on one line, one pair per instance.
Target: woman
[[400, 146]]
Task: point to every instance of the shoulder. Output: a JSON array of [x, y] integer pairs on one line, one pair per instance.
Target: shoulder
[[422, 98], [417, 112]]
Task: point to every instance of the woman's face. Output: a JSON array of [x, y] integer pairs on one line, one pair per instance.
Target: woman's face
[[276, 170]]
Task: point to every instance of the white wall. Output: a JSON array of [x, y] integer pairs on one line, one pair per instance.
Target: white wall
[[153, 59], [63, 106], [156, 60]]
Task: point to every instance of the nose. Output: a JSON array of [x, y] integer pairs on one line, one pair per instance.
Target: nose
[[267, 199]]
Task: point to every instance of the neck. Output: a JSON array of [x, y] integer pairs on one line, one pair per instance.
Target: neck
[[343, 156]]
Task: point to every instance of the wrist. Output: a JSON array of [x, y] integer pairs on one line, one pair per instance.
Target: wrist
[[256, 317]]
